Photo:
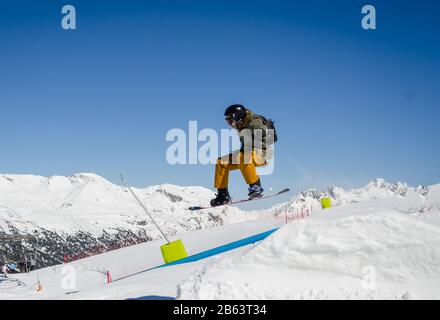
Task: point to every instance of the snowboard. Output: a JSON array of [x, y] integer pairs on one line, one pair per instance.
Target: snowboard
[[240, 201]]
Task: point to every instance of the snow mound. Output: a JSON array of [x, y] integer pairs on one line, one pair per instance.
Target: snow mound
[[342, 254]]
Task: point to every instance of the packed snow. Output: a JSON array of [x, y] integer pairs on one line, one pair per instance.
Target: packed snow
[[375, 249], [381, 241]]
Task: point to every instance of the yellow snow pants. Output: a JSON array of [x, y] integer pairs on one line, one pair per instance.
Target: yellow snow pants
[[238, 160]]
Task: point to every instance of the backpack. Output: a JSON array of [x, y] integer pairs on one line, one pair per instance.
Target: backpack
[[270, 125]]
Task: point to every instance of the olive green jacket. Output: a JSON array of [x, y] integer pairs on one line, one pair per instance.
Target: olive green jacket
[[253, 132]]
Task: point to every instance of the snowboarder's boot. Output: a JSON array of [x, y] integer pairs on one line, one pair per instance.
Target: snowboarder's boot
[[255, 190], [222, 197]]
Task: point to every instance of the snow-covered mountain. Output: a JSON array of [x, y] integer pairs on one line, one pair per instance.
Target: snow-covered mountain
[[75, 214], [378, 248], [376, 189], [83, 213], [381, 241]]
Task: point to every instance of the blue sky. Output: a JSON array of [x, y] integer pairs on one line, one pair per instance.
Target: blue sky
[[350, 105]]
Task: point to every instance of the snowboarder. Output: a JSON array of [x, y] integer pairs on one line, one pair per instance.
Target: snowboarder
[[256, 135]]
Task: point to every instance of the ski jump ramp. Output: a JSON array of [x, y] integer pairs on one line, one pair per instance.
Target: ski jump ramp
[[211, 252]]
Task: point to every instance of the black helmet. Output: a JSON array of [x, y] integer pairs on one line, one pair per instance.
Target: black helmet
[[235, 112]]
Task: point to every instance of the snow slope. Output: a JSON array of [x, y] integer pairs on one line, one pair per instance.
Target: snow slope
[[88, 275], [379, 247], [375, 249], [73, 215]]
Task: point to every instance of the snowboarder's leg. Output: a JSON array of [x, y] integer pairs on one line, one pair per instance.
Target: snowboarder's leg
[[247, 167], [222, 197], [221, 181], [255, 190], [249, 172], [247, 163], [224, 165]]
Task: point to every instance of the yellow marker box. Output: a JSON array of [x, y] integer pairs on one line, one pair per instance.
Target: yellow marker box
[[326, 202], [173, 251]]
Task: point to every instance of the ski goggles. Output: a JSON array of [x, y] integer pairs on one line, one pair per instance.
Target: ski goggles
[[231, 122]]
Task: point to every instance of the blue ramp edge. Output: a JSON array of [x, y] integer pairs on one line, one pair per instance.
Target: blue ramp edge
[[224, 248], [210, 252]]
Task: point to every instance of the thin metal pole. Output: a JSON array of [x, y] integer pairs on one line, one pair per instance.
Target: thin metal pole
[[143, 207]]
